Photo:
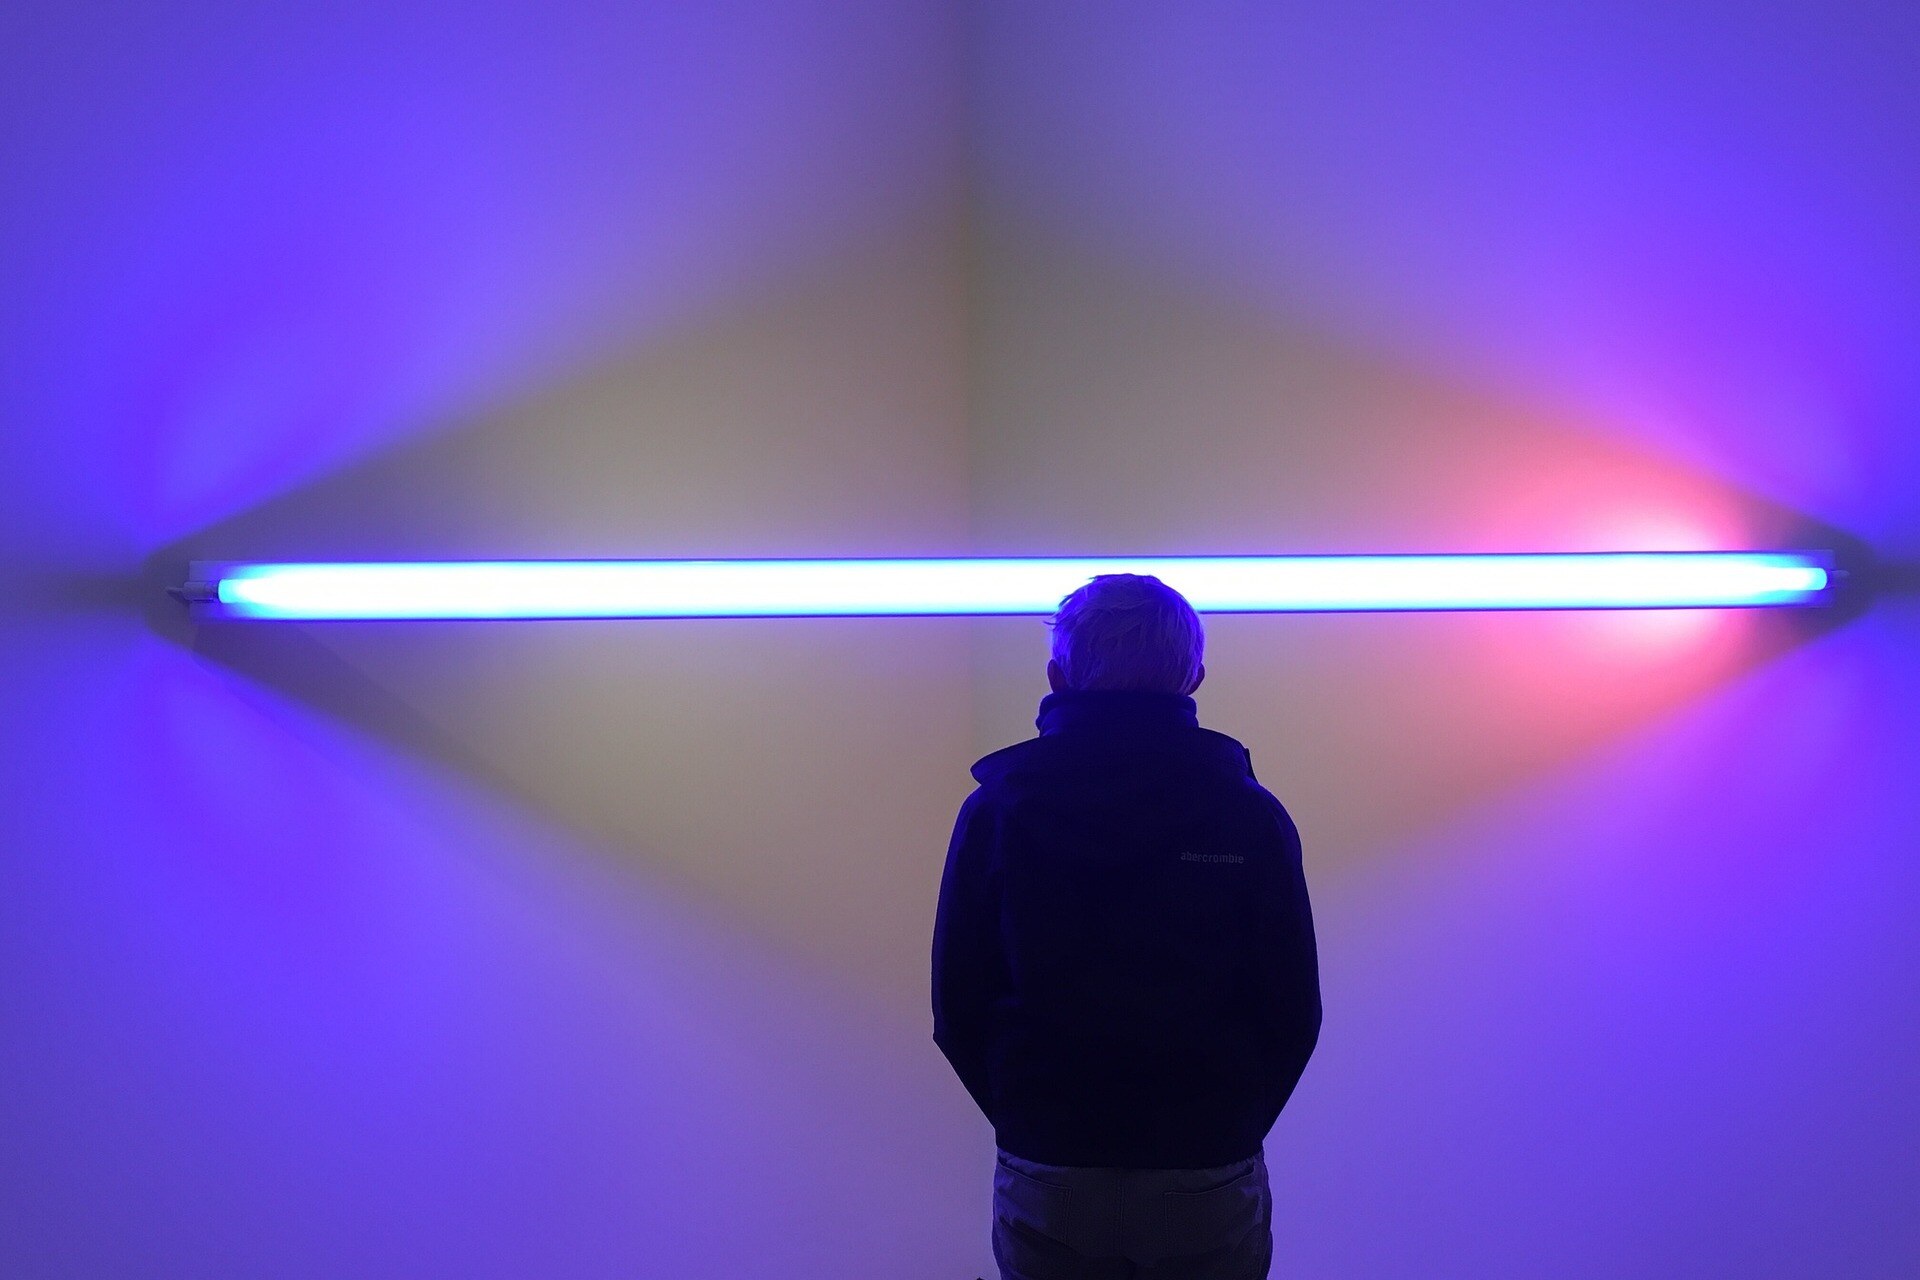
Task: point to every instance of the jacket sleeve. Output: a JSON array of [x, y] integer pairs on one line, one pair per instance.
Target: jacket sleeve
[[1287, 962], [968, 965]]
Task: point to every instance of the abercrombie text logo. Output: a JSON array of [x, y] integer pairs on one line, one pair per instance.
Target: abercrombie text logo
[[1211, 857]]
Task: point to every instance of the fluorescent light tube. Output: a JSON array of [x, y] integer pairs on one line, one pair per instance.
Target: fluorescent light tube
[[990, 585]]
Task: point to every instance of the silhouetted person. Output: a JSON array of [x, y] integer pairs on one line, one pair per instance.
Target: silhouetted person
[[1124, 970]]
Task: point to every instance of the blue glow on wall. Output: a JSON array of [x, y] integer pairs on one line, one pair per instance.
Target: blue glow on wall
[[1028, 585]]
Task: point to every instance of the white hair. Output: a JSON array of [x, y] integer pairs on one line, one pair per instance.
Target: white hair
[[1128, 631]]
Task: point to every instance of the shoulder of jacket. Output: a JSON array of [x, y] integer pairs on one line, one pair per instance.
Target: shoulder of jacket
[[1229, 747], [991, 768]]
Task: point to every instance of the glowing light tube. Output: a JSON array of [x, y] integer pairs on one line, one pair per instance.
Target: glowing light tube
[[816, 588]]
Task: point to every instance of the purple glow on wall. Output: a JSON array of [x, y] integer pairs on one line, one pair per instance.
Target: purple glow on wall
[[1634, 1013], [292, 1001], [1600, 1002], [325, 230], [1690, 224]]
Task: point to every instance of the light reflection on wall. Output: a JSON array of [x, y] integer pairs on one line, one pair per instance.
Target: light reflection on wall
[[1616, 915]]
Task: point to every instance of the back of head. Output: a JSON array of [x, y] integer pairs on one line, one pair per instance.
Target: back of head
[[1128, 631]]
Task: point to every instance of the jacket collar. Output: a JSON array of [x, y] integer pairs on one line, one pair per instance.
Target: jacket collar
[[1109, 709]]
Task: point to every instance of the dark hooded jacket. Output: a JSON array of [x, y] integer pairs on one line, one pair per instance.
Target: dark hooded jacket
[[1124, 970]]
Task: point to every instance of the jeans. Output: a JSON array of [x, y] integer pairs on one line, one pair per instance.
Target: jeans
[[1056, 1222]]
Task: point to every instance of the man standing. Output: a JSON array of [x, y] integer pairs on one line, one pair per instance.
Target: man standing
[[1124, 970]]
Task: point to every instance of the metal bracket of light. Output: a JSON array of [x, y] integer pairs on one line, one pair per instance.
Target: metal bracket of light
[[530, 589]]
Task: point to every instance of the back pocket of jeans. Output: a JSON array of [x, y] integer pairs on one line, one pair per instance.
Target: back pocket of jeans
[[1038, 1205], [1221, 1186], [1207, 1216]]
